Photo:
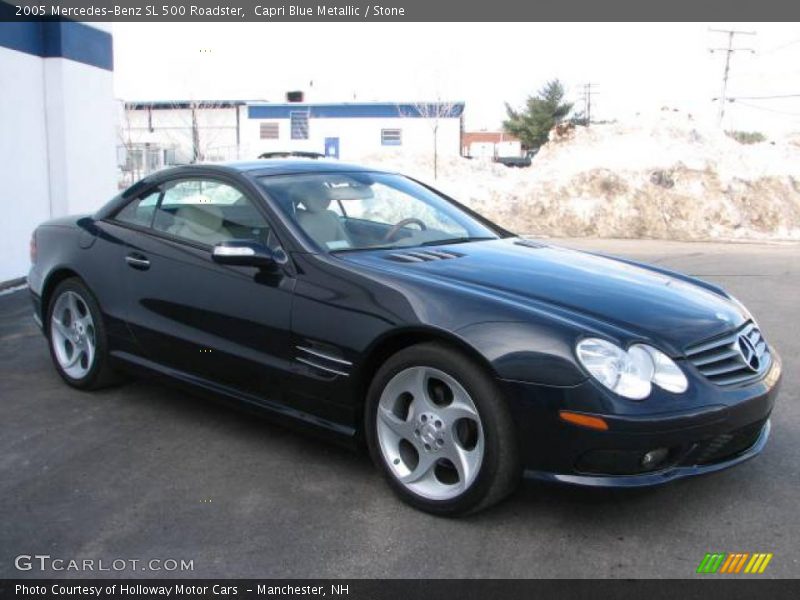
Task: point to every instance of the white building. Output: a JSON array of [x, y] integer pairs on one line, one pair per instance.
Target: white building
[[354, 130], [157, 134], [57, 128]]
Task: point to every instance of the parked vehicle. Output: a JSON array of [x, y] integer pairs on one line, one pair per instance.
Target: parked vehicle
[[524, 160], [291, 154], [369, 307]]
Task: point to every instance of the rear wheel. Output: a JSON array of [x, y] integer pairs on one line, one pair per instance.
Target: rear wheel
[[77, 337], [440, 431]]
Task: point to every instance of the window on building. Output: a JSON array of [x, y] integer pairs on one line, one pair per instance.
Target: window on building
[[299, 125], [269, 131], [391, 137]]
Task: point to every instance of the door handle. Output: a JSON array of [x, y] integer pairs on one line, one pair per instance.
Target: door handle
[[137, 261]]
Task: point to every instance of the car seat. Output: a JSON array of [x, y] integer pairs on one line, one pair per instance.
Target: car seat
[[200, 223], [322, 225]]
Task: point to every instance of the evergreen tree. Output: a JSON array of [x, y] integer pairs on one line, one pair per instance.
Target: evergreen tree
[[533, 123]]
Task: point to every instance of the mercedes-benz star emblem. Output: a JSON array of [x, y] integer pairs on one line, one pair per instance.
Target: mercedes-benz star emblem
[[749, 354]]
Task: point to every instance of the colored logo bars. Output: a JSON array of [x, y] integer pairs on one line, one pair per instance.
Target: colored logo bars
[[742, 562]]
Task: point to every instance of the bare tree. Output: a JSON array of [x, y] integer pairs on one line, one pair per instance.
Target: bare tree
[[126, 143], [434, 113], [195, 125]]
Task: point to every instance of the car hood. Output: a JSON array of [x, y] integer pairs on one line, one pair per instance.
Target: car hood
[[638, 299]]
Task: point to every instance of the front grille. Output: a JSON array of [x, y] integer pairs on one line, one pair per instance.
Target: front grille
[[727, 445], [736, 357]]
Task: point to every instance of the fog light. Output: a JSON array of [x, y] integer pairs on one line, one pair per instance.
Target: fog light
[[652, 459]]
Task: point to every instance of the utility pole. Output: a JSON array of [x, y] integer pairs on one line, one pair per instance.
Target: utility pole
[[587, 100], [731, 33]]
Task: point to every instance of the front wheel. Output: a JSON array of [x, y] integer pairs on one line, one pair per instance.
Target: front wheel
[[77, 336], [439, 429]]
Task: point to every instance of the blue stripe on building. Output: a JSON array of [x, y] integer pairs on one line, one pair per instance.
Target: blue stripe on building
[[60, 39], [349, 110]]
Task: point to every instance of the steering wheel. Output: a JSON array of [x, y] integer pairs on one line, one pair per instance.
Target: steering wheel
[[398, 226]]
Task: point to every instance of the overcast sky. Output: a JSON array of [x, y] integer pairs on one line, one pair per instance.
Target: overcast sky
[[638, 67]]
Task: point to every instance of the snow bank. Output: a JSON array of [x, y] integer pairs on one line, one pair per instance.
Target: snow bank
[[658, 177]]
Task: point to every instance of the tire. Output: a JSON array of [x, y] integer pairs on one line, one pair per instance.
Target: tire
[[78, 346], [430, 407]]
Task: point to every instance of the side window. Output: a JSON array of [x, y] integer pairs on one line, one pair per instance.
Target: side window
[[209, 211], [140, 211]]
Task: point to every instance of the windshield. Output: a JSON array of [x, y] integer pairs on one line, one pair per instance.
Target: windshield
[[358, 211]]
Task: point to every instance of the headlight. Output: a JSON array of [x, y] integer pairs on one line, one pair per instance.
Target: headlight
[[630, 374]]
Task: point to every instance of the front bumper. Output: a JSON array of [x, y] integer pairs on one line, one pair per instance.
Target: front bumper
[[714, 428], [656, 477]]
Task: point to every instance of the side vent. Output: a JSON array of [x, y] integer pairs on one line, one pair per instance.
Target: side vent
[[323, 361], [417, 256]]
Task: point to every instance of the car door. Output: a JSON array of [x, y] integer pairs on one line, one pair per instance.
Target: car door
[[223, 324]]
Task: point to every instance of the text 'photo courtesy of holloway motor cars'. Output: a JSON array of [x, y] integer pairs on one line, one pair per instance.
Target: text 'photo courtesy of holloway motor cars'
[[371, 308]]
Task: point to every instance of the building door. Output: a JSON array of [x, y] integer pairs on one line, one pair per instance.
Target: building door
[[332, 147]]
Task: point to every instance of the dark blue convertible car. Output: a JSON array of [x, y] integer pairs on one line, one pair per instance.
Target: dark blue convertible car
[[370, 307]]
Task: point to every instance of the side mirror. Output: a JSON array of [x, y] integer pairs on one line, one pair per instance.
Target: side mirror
[[243, 253]]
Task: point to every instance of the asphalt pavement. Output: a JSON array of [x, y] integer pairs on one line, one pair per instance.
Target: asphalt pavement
[[143, 472]]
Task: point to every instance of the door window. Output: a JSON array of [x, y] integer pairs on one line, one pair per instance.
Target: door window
[[140, 211], [209, 212]]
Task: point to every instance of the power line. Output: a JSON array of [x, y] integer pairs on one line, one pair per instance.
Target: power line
[[780, 47], [729, 51], [766, 108], [774, 97]]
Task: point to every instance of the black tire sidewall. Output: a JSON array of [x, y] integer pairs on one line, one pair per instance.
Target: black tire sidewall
[[90, 379], [495, 421]]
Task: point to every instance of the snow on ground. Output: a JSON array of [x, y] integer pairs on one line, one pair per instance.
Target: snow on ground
[[658, 177]]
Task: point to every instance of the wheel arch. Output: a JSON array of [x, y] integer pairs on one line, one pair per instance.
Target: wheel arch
[[50, 284], [394, 341]]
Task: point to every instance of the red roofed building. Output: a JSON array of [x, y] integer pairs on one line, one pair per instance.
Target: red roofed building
[[489, 144]]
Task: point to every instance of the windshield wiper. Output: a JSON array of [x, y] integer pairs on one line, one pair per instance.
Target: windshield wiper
[[456, 240]]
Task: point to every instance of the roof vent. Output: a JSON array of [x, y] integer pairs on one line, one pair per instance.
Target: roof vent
[[422, 256]]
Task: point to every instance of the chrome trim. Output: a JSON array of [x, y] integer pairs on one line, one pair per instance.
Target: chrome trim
[[320, 367], [730, 339], [137, 262], [319, 354], [723, 355], [721, 360]]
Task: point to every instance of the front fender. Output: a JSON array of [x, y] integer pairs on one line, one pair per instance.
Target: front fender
[[530, 352]]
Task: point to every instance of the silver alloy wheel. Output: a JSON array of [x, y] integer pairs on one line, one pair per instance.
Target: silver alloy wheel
[[430, 433], [72, 335]]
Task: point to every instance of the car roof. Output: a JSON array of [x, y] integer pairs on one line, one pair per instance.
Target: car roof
[[283, 166]]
